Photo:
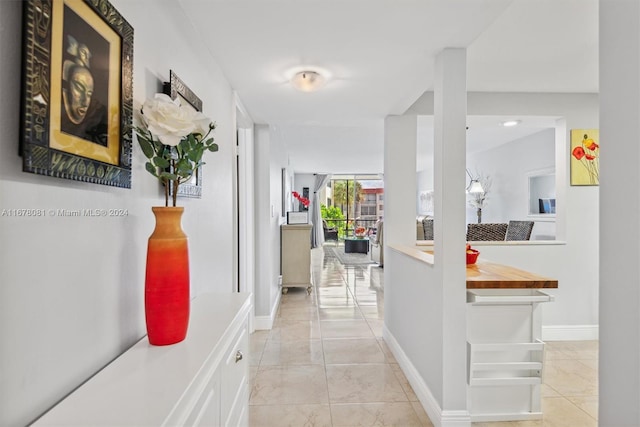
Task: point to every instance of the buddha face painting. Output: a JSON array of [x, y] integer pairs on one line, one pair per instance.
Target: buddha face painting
[[77, 95]]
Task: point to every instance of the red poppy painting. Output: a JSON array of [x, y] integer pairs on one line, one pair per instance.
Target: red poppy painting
[[585, 156]]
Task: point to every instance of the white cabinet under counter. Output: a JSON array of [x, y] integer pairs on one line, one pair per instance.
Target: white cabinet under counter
[[202, 380], [505, 351]]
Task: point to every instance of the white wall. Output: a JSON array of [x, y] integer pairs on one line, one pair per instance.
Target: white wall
[[301, 180], [264, 223], [279, 159], [415, 298], [424, 196], [399, 181], [72, 288], [574, 313], [413, 292], [619, 368], [509, 166], [424, 163], [271, 157]]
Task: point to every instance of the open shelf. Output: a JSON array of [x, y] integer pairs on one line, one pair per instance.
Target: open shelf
[[523, 364], [507, 296]]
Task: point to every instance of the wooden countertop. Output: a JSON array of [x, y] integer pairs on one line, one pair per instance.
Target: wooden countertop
[[486, 275]]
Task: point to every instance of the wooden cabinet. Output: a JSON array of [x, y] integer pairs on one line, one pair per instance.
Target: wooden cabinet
[[295, 256], [201, 381]]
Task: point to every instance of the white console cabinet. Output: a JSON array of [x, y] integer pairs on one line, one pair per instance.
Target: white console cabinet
[[295, 256], [201, 381]]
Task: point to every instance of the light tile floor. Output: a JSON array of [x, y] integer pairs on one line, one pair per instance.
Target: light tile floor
[[325, 363]]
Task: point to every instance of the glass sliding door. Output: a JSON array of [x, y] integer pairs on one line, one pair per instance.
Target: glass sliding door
[[354, 201]]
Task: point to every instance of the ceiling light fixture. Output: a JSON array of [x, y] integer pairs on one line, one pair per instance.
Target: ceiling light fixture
[[511, 123], [308, 81]]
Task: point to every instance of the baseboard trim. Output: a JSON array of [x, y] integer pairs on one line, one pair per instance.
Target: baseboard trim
[[570, 332], [456, 419], [265, 323], [438, 417]]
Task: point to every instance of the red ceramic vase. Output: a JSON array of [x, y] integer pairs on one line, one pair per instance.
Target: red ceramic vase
[[166, 293]]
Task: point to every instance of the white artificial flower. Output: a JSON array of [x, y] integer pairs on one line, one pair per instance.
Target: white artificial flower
[[201, 123], [167, 120], [164, 125]]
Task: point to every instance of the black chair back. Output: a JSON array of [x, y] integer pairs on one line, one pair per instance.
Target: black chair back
[[519, 230], [486, 232]]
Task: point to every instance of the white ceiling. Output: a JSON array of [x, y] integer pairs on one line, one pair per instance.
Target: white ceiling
[[379, 56], [483, 133]]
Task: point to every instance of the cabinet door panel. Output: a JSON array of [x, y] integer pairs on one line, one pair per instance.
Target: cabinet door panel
[[210, 413], [239, 415], [206, 411], [235, 375]]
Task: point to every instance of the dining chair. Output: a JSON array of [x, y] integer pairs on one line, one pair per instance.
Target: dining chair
[[486, 232], [519, 230]]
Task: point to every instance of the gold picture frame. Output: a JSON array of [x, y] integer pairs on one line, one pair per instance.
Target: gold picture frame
[[77, 91]]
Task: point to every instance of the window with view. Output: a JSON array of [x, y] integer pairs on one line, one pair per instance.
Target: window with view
[[352, 200], [368, 210]]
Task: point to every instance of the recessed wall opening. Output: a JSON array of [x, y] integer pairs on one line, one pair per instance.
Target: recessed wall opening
[[516, 167]]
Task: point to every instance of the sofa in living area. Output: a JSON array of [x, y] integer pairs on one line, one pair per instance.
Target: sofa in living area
[[424, 227]]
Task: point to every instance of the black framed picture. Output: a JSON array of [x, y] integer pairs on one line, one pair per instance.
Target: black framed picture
[[176, 88], [77, 91]]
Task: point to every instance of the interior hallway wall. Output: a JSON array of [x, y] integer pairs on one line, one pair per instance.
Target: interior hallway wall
[[271, 160], [619, 358], [72, 292]]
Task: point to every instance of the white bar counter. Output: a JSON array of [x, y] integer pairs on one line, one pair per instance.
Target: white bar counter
[[505, 351]]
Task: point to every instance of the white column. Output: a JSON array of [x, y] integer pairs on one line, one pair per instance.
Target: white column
[[450, 115], [619, 213], [400, 187]]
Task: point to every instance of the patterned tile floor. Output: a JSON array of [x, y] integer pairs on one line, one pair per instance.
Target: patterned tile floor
[[325, 363]]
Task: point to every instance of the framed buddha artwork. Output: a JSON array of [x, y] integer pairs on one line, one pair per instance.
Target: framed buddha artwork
[[77, 91]]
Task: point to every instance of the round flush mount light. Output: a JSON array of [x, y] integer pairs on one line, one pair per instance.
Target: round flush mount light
[[510, 123], [308, 80]]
